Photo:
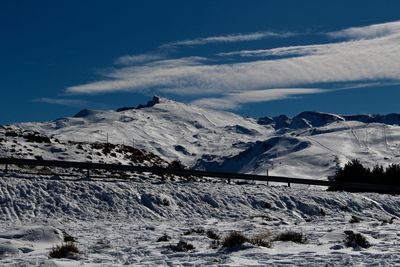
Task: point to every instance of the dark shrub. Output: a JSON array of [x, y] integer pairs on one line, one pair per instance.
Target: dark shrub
[[106, 150], [214, 244], [267, 205], [354, 219], [212, 235], [36, 138], [176, 165], [182, 246], [261, 240], [322, 212], [64, 251], [387, 221], [233, 239], [356, 240], [296, 237], [198, 230], [38, 157], [164, 238], [11, 134], [165, 202], [68, 237]]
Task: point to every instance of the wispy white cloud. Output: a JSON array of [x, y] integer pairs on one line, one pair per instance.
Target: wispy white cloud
[[362, 60], [138, 59], [230, 38], [235, 100], [368, 32], [62, 101], [281, 51], [356, 61]]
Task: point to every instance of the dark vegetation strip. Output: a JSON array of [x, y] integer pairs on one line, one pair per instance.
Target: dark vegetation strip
[[338, 182], [355, 172]]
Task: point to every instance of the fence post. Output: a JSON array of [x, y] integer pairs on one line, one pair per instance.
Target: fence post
[[88, 173], [6, 169], [267, 176], [229, 180], [288, 184]]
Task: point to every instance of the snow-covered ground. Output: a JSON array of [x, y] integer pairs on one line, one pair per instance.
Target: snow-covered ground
[[119, 223]]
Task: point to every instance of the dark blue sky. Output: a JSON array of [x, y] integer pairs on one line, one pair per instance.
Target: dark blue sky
[[49, 47]]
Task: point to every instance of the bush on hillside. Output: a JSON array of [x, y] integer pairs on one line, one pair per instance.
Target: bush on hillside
[[233, 239], [36, 138], [261, 240], [296, 237], [212, 235], [68, 237], [182, 246], [356, 240], [197, 230], [176, 165], [64, 251], [164, 238], [355, 219]]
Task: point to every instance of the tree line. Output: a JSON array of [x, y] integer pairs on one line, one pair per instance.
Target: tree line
[[355, 172]]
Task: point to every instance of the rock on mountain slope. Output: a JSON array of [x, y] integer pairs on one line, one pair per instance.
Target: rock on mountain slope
[[311, 144]]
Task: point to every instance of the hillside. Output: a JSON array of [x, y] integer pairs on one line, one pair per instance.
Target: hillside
[[311, 144]]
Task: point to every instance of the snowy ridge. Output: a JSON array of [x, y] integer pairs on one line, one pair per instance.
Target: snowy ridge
[[29, 144]]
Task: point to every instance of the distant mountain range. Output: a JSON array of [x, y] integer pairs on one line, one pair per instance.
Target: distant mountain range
[[310, 144]]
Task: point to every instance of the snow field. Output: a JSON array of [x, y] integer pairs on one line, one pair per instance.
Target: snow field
[[119, 223]]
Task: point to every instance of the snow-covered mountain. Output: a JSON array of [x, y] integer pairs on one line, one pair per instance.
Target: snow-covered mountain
[[311, 144]]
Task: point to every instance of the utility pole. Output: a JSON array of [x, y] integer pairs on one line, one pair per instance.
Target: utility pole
[[107, 137]]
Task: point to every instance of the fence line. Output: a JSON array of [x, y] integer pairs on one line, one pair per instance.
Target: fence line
[[88, 166]]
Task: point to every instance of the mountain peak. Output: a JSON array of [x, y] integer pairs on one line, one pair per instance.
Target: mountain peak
[[314, 119], [155, 100]]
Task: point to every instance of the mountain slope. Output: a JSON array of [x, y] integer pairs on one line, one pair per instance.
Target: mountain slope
[[311, 144], [169, 129]]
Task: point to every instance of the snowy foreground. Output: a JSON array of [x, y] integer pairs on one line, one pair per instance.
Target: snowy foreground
[[119, 223]]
